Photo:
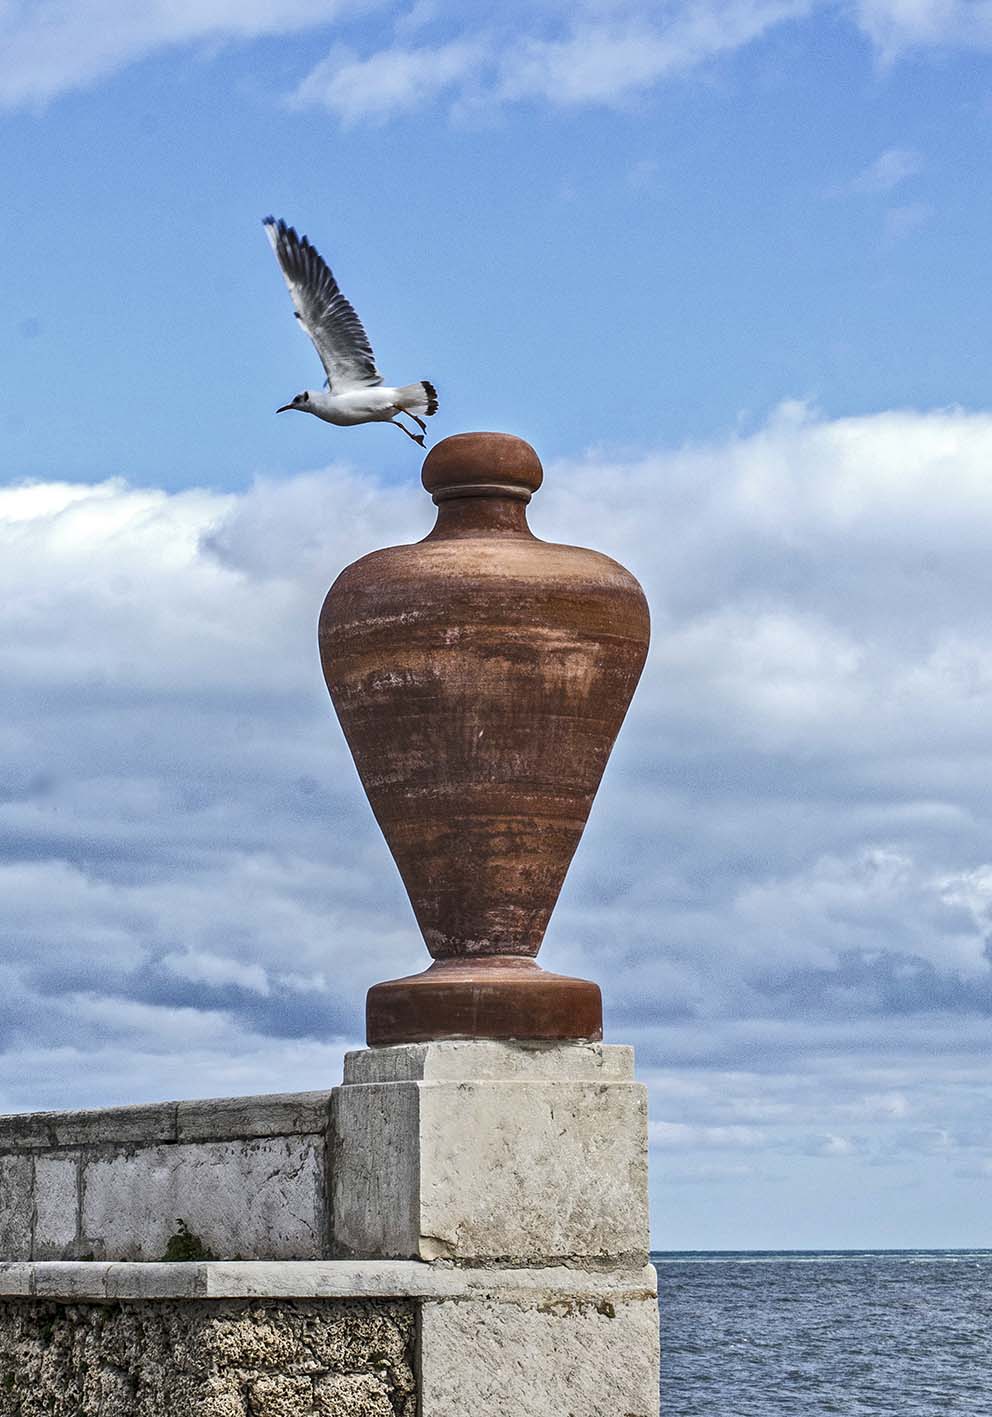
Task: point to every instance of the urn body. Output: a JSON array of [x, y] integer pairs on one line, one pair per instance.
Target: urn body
[[481, 677]]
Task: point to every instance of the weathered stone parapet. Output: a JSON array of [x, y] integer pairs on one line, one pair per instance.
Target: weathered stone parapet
[[478, 1151], [246, 1175], [326, 1339]]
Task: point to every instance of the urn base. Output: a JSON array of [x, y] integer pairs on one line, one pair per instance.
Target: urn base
[[503, 997]]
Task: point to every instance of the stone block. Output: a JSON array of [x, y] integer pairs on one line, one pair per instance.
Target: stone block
[[16, 1207], [261, 1199], [534, 1170], [455, 1059], [375, 1179], [594, 1358], [157, 1123], [56, 1199], [274, 1115], [16, 1278], [67, 1280], [142, 1125], [352, 1395], [280, 1396], [527, 1163]]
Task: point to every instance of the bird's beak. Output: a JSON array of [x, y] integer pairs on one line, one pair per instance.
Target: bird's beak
[[284, 408]]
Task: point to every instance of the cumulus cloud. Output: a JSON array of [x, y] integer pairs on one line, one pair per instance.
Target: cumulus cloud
[[786, 886]]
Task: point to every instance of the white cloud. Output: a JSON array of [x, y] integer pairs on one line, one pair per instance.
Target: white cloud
[[786, 885], [604, 61], [680, 1136], [898, 25], [603, 52], [889, 170], [391, 81], [603, 57], [53, 46], [212, 970]]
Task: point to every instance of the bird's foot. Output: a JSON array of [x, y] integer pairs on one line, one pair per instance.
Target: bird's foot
[[417, 437]]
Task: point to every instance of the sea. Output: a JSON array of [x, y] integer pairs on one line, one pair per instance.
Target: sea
[[756, 1333]]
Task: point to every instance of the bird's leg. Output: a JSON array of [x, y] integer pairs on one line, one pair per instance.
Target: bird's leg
[[419, 421], [417, 437]]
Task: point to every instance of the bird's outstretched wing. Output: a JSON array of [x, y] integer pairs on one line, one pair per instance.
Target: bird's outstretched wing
[[328, 318]]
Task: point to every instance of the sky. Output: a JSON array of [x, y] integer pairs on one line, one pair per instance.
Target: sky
[[726, 266]]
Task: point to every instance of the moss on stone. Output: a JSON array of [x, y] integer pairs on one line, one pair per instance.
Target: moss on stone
[[184, 1246]]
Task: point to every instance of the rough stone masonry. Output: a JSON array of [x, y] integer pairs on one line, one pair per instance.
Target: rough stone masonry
[[170, 1358]]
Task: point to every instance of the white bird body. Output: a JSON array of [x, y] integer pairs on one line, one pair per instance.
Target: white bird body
[[373, 404], [355, 392]]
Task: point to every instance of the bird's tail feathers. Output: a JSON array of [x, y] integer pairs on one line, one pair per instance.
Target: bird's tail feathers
[[418, 398]]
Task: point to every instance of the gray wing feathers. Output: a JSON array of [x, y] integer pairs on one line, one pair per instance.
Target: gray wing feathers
[[328, 318]]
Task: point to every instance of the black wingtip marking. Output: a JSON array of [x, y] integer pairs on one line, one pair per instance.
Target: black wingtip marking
[[431, 395], [284, 232]]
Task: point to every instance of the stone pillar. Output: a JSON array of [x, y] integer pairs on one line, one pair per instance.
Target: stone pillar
[[512, 1157], [484, 1152]]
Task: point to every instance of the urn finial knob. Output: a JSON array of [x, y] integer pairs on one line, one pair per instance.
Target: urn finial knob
[[472, 460]]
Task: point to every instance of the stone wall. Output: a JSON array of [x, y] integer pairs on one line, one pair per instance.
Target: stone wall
[[245, 1176], [161, 1358], [481, 1204]]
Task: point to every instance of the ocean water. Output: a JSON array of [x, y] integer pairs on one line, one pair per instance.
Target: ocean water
[[755, 1334]]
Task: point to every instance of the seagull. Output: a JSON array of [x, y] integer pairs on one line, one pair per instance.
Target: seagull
[[354, 392]]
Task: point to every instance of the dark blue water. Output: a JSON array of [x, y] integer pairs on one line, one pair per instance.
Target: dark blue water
[[854, 1332]]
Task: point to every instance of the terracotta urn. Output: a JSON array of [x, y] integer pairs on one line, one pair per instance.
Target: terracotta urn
[[481, 677]]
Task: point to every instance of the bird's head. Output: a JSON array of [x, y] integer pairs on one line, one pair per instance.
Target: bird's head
[[301, 402]]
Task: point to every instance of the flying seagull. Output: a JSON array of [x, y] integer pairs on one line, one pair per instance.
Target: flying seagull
[[355, 392]]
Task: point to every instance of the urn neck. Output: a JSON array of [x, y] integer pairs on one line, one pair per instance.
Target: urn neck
[[486, 510]]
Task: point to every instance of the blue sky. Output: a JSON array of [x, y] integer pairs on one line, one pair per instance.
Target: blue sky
[[726, 266], [651, 266]]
